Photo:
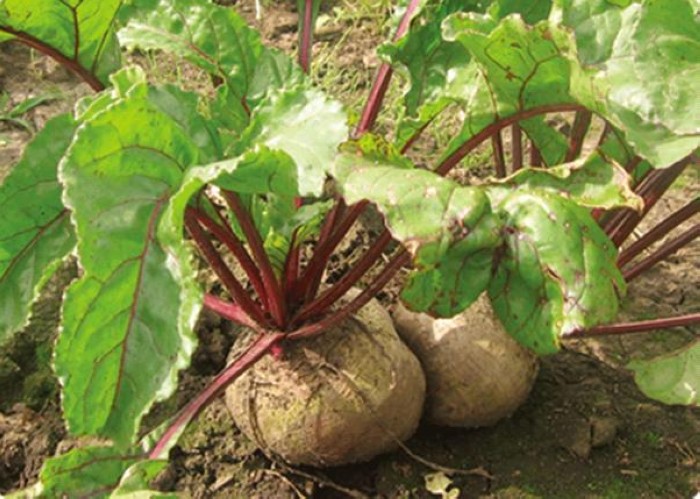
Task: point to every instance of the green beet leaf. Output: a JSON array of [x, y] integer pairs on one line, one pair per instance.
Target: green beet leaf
[[306, 125], [673, 378], [182, 107], [425, 60], [551, 144], [628, 46], [76, 33], [257, 171], [219, 41], [127, 322], [267, 181], [596, 24], [35, 226], [595, 182], [214, 38], [274, 70], [556, 273], [430, 62], [532, 11], [449, 230], [515, 68], [83, 472]]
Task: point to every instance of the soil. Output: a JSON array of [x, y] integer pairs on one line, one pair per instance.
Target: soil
[[585, 431]]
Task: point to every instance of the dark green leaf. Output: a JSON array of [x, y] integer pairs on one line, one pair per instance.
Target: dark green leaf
[[274, 70], [673, 378], [425, 60], [35, 228], [80, 31], [127, 323], [557, 272], [449, 230]]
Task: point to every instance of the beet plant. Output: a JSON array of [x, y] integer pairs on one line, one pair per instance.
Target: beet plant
[[141, 178]]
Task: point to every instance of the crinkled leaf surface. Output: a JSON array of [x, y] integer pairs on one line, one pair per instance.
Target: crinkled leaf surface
[[673, 378], [594, 182], [596, 24], [273, 70], [35, 228], [449, 230], [659, 114], [79, 30], [127, 323], [430, 61], [557, 272], [646, 58], [514, 68], [307, 126]]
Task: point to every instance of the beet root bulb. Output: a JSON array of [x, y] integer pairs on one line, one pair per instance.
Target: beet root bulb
[[476, 373], [345, 396]]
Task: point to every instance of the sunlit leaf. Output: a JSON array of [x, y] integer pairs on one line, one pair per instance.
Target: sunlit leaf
[[132, 312], [594, 182], [514, 68], [425, 60], [449, 230], [292, 121], [645, 59], [219, 41]]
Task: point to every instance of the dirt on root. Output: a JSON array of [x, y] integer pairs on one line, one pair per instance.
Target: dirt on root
[[585, 431]]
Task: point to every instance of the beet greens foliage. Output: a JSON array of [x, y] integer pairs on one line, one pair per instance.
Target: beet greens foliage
[[140, 178]]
